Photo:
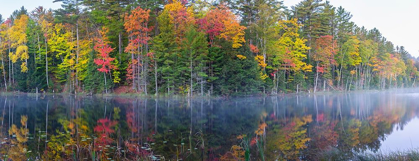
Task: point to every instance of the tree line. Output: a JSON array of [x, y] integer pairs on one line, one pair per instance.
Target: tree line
[[226, 47]]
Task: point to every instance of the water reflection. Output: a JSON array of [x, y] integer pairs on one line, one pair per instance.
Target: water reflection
[[259, 128]]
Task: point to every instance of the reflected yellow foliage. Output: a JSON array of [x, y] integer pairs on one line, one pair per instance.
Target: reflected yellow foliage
[[289, 139], [18, 147]]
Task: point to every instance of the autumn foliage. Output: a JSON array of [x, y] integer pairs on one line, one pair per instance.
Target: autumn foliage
[[325, 51], [104, 130], [104, 61], [223, 24], [136, 25], [196, 47]]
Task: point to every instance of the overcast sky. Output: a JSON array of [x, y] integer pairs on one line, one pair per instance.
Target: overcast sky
[[396, 20], [8, 6]]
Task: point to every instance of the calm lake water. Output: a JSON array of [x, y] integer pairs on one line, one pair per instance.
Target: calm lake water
[[307, 127]]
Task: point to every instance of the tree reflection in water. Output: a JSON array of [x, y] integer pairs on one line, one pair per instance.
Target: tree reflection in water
[[304, 127]]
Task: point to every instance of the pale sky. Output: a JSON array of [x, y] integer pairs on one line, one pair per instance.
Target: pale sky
[[396, 20], [8, 6]]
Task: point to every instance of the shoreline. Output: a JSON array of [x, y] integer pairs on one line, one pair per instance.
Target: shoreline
[[152, 96]]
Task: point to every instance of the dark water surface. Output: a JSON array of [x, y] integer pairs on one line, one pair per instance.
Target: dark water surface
[[306, 127]]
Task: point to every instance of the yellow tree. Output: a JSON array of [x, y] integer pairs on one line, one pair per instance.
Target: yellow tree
[[289, 51], [19, 39], [389, 67], [411, 71], [62, 47], [85, 47], [181, 18], [367, 50], [3, 47], [291, 47], [349, 57], [233, 31]]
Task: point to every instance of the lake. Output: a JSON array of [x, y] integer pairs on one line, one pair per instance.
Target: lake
[[291, 127]]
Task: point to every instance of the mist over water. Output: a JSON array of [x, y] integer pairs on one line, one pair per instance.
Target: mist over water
[[290, 127]]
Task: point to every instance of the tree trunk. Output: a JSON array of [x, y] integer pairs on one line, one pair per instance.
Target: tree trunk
[[133, 71], [346, 85], [340, 81], [317, 77], [10, 73], [10, 77], [389, 85], [77, 52], [202, 84], [324, 85], [191, 74], [46, 61], [106, 88], [39, 47], [264, 52], [274, 83], [4, 73], [139, 72], [13, 74], [120, 47], [145, 73], [155, 75], [277, 82], [146, 65]]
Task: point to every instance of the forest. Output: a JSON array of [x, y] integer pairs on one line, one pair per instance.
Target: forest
[[196, 48]]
